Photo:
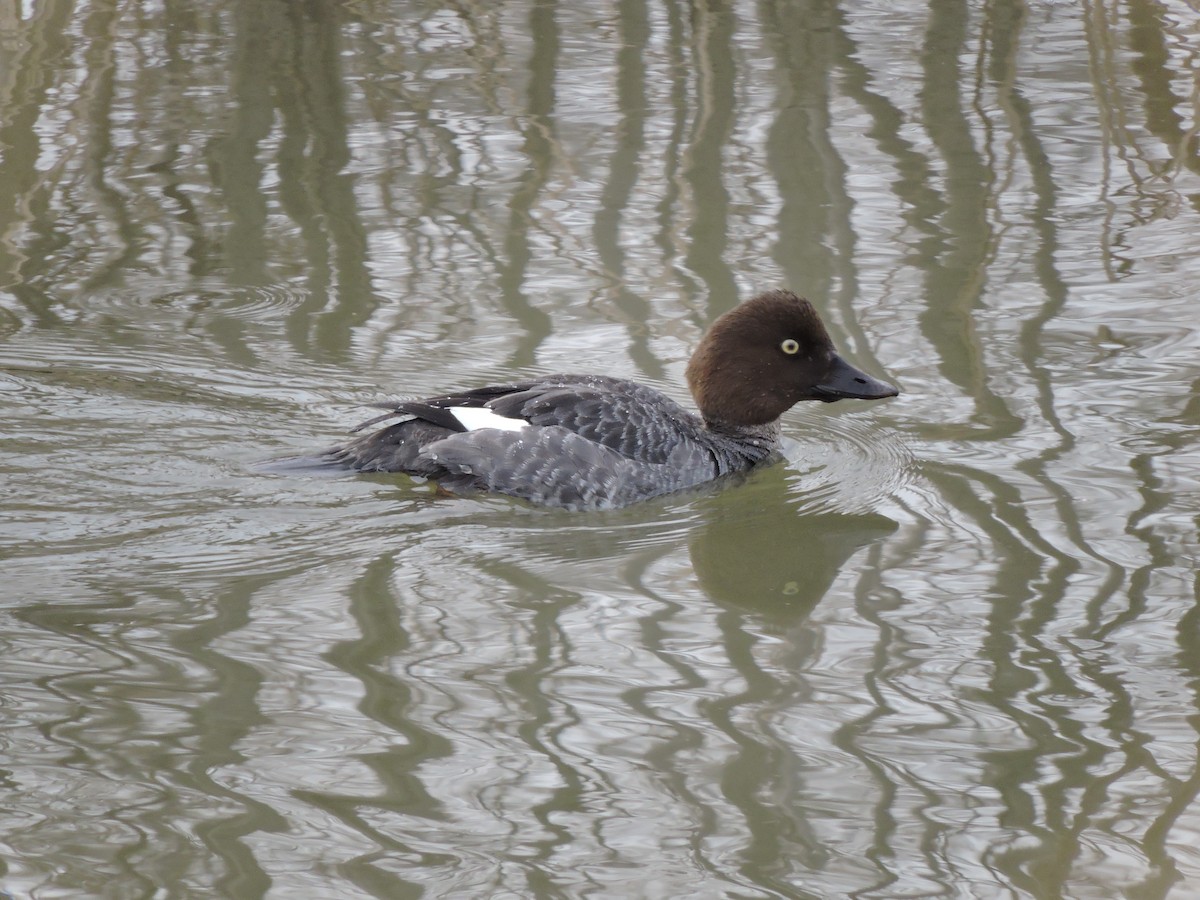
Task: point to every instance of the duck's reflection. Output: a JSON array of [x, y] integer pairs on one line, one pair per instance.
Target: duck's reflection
[[761, 551]]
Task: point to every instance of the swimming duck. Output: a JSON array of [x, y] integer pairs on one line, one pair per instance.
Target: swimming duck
[[594, 441]]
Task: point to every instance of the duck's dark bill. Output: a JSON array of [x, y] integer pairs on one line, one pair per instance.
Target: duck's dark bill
[[844, 382]]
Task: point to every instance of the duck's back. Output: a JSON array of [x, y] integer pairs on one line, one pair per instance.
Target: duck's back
[[564, 440]]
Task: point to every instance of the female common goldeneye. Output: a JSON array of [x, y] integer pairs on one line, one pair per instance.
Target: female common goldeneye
[[593, 441]]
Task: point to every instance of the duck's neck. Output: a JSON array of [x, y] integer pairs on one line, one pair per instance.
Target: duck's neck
[[754, 442]]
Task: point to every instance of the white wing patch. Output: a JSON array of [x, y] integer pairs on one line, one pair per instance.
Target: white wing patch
[[473, 418]]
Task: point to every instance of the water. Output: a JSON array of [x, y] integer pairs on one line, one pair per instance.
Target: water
[[949, 648]]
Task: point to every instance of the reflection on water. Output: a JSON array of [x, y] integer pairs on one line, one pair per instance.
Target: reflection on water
[[948, 648]]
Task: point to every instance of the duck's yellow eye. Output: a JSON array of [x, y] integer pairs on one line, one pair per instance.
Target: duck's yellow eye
[[790, 347]]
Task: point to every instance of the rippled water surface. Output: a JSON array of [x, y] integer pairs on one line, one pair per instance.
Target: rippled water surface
[[949, 648]]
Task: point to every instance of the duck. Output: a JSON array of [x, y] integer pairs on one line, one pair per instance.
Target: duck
[[578, 441]]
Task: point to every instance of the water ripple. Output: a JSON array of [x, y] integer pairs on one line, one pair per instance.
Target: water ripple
[[197, 304], [847, 463]]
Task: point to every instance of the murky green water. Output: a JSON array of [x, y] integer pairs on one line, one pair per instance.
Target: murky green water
[[951, 648]]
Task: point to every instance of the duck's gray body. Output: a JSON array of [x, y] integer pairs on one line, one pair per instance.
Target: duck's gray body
[[588, 441]]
